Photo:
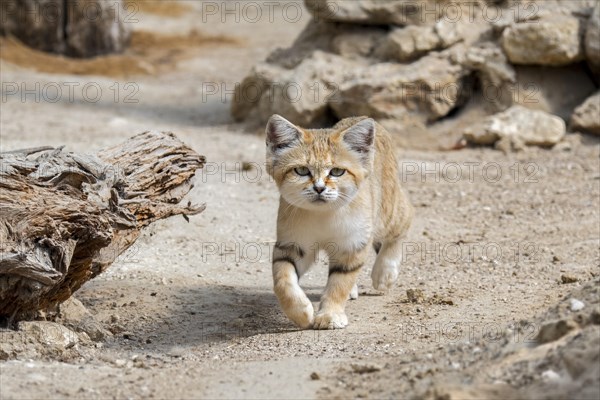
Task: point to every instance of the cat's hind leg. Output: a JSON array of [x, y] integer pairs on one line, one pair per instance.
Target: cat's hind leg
[[289, 263], [387, 263]]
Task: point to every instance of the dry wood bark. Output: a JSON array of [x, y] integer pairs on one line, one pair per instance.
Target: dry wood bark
[[65, 217]]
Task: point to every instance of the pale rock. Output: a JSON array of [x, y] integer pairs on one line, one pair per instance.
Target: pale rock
[[519, 126], [425, 90], [50, 333], [576, 305], [586, 117], [357, 42], [550, 376], [412, 42], [450, 32], [74, 315], [301, 94], [256, 84], [553, 40], [120, 362]]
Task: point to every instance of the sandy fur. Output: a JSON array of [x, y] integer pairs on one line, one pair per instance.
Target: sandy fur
[[370, 210]]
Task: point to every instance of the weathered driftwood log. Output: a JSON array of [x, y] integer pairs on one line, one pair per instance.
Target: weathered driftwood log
[[77, 28], [65, 217]]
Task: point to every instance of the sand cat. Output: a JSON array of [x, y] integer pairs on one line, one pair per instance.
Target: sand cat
[[340, 192]]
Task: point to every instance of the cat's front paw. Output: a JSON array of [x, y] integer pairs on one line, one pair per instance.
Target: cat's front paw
[[384, 276], [302, 314], [330, 320]]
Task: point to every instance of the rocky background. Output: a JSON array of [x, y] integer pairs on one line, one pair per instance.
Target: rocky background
[[508, 73]]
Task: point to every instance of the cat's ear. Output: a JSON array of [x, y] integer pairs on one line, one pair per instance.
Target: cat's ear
[[281, 133], [360, 136]]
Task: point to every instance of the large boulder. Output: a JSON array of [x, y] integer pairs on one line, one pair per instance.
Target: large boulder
[[519, 126], [96, 27], [22, 20], [413, 42], [427, 90], [553, 40], [83, 28], [592, 41], [586, 117], [249, 93], [301, 94], [511, 72]]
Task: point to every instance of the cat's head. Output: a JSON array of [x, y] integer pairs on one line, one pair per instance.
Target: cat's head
[[319, 169]]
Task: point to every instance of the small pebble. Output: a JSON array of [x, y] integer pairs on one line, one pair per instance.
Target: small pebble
[[576, 305], [568, 278], [415, 295], [365, 368], [550, 376], [314, 376]]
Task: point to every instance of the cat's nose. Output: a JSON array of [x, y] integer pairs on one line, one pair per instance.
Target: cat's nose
[[319, 189]]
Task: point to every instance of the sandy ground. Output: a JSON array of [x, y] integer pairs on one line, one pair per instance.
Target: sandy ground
[[190, 305]]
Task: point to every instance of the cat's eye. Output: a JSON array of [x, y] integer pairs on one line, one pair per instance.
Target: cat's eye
[[337, 172], [302, 171]]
